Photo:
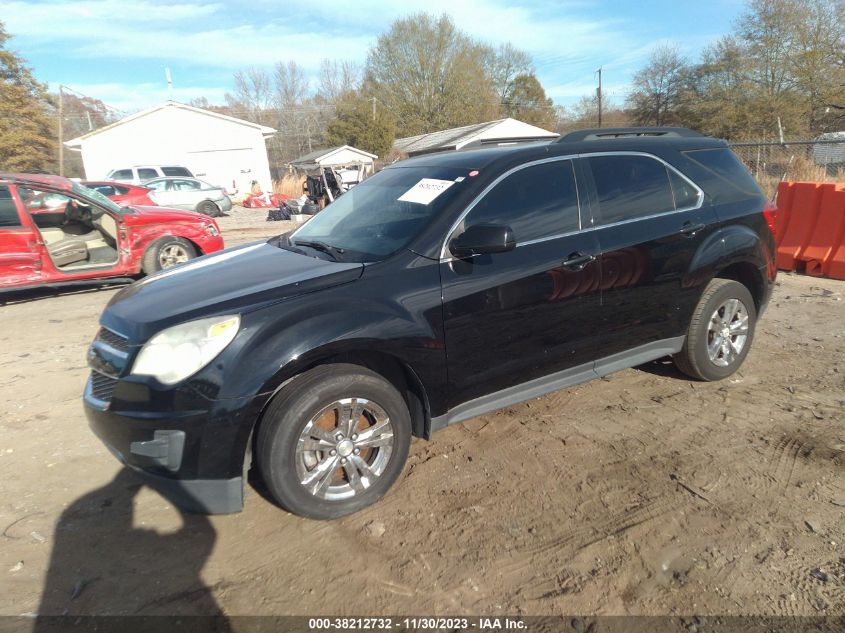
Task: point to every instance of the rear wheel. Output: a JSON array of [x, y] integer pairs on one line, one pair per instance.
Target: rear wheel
[[720, 332], [333, 441], [207, 207], [166, 252]]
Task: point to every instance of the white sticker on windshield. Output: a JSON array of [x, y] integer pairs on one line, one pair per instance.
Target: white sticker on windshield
[[425, 190]]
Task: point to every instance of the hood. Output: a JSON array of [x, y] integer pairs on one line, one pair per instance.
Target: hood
[[137, 215], [233, 281]]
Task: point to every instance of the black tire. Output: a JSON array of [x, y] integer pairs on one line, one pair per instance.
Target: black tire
[[293, 408], [155, 257], [207, 207], [694, 359]]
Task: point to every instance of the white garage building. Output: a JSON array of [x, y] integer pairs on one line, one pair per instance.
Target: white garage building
[[217, 148]]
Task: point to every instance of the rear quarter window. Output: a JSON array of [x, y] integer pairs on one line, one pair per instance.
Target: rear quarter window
[[723, 163], [8, 209]]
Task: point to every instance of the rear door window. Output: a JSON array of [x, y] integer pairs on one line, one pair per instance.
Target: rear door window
[[630, 186], [145, 173], [8, 209], [536, 202]]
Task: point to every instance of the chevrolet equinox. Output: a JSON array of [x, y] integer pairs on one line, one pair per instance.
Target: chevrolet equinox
[[444, 287]]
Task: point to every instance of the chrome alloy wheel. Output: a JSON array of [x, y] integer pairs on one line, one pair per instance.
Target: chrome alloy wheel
[[727, 332], [344, 448], [173, 254]]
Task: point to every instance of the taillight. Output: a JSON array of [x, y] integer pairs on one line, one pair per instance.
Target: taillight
[[770, 213]]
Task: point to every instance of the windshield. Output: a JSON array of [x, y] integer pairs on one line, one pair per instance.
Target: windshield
[[96, 196], [384, 213]]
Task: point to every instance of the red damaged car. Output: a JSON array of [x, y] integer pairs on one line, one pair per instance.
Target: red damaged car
[[122, 193], [55, 231]]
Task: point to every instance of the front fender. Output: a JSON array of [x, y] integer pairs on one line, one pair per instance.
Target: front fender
[[285, 339]]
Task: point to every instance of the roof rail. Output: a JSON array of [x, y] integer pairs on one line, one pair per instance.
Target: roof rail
[[499, 142], [597, 134]]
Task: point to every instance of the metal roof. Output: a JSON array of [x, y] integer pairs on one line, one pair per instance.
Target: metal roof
[[316, 155], [459, 136]]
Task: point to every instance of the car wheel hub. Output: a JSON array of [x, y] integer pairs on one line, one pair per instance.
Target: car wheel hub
[[727, 333], [172, 255], [344, 449]]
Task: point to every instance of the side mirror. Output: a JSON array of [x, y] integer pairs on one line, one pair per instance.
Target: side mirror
[[482, 239]]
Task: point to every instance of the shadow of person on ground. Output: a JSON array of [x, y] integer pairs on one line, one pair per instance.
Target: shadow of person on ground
[[102, 564]]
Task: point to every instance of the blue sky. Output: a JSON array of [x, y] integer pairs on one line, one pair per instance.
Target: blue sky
[[116, 50]]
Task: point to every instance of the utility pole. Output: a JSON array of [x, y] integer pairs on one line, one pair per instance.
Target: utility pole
[[61, 133], [598, 94], [374, 108]]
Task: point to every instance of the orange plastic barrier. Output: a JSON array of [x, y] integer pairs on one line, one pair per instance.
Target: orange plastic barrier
[[799, 223], [810, 228], [786, 191], [828, 234]]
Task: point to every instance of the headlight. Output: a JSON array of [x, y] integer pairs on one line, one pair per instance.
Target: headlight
[[182, 350], [211, 230]]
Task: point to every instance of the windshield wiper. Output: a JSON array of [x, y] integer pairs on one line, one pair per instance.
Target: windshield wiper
[[333, 251]]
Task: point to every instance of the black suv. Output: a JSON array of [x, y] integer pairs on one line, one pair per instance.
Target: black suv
[[442, 288]]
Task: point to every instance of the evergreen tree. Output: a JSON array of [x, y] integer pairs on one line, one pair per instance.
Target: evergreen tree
[[27, 126]]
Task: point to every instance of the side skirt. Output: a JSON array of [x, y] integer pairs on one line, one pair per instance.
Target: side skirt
[[559, 380]]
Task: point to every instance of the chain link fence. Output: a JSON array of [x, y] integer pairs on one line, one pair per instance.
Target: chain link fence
[[773, 162]]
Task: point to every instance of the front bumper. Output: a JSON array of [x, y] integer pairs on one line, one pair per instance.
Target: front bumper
[[225, 204], [194, 457]]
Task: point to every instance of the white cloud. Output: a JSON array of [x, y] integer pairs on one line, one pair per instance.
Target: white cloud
[[130, 97], [88, 16]]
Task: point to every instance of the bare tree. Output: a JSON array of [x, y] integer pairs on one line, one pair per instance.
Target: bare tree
[[504, 64], [253, 96], [658, 88], [290, 85], [430, 75], [337, 78]]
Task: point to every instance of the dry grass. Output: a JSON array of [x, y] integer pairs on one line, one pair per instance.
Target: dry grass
[[772, 164], [289, 185]]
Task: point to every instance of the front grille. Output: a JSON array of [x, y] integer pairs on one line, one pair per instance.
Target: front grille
[[102, 386], [115, 341]]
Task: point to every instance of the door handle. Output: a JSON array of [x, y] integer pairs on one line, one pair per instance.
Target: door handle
[[689, 229], [577, 261]]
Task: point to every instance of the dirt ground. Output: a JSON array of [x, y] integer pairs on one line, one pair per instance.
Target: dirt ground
[[642, 493]]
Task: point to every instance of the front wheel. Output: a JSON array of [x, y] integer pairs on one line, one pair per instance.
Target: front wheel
[[333, 441], [720, 332], [166, 252]]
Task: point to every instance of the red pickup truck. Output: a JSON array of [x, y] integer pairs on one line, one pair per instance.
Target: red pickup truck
[[56, 231]]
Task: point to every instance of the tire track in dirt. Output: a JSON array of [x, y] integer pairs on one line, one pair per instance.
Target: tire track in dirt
[[519, 567], [785, 455]]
